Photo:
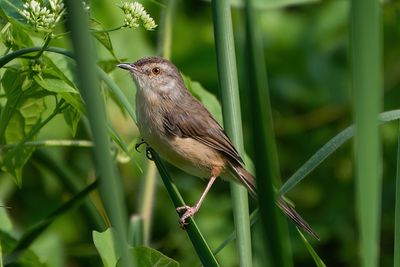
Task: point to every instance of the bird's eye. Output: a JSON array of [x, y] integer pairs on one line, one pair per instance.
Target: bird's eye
[[156, 70]]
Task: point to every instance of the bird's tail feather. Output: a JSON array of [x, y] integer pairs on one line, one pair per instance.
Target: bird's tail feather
[[248, 180]]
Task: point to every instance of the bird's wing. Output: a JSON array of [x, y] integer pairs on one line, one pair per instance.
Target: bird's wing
[[197, 123]]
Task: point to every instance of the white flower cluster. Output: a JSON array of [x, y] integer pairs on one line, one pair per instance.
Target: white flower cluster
[[135, 12], [43, 18]]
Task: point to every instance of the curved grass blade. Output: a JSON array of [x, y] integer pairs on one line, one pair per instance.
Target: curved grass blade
[[310, 249], [326, 150]]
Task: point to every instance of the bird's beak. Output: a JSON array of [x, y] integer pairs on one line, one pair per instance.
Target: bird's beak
[[127, 66]]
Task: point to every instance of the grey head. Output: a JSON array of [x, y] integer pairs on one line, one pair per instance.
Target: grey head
[[155, 74]]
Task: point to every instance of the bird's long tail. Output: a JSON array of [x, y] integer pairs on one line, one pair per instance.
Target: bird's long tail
[[248, 180]]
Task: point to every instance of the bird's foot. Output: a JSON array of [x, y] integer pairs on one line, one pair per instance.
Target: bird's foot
[[189, 212], [148, 148], [148, 152], [139, 144]]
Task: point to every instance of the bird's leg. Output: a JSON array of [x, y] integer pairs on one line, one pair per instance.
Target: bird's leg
[[190, 211], [148, 148]]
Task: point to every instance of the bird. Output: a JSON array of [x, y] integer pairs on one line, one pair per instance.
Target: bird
[[184, 133]]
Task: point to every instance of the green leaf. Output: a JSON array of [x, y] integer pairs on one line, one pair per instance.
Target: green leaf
[[209, 100], [102, 36], [148, 257], [109, 65], [11, 10], [16, 36], [144, 256], [19, 125], [63, 89], [6, 224], [104, 244], [72, 117], [310, 249], [60, 68], [31, 111], [55, 85]]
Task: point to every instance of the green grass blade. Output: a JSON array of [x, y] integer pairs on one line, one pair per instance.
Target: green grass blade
[[367, 103], [228, 82], [310, 249], [327, 149], [200, 245], [109, 187], [274, 227], [397, 210]]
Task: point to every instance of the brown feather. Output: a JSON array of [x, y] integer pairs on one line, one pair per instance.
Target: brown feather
[[178, 122]]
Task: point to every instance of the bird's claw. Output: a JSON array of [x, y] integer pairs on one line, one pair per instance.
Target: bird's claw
[[148, 153], [148, 148], [189, 212], [139, 144]]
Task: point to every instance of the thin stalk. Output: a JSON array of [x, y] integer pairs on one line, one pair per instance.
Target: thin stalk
[[110, 188], [48, 143], [228, 81], [136, 231], [147, 200], [397, 209], [166, 27], [367, 102], [276, 237]]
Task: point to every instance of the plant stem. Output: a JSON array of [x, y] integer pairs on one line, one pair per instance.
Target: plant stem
[[228, 82], [397, 209], [367, 102], [110, 188], [47, 143], [165, 32], [274, 226]]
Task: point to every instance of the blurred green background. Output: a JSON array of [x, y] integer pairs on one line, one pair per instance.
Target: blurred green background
[[306, 52]]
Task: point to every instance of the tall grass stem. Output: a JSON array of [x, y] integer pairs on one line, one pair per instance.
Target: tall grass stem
[[229, 88], [110, 188], [367, 103], [265, 157]]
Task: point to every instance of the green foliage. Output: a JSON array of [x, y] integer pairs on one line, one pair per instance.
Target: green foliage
[[144, 256]]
